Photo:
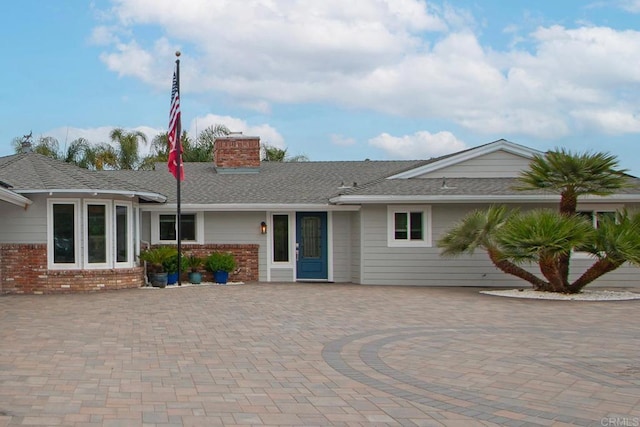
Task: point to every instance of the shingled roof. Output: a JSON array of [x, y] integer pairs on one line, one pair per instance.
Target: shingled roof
[[33, 173], [272, 183]]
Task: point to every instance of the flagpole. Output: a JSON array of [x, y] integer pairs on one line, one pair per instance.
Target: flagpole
[[179, 154]]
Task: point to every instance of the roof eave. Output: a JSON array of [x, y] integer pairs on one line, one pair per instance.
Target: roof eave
[[510, 198], [14, 198], [145, 195]]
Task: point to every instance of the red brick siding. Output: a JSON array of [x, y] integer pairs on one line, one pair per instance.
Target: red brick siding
[[23, 270], [246, 259], [242, 152]]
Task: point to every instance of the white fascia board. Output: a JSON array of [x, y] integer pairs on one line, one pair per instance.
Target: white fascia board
[[504, 145], [255, 207], [156, 197], [14, 198], [513, 198]]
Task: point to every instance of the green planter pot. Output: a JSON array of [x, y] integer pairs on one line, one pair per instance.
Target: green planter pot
[[195, 278], [158, 280]]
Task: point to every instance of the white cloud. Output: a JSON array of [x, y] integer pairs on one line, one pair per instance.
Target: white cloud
[[420, 145], [341, 140], [402, 57], [632, 6], [267, 134]]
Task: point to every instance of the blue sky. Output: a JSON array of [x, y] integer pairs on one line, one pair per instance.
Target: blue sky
[[333, 80]]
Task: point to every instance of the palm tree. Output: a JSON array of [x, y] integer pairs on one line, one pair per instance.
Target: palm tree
[[128, 147], [275, 154], [544, 236], [478, 230], [572, 175], [617, 240]]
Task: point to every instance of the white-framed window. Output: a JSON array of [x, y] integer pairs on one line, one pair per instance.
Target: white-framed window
[[164, 227], [594, 213], [124, 234], [409, 226], [97, 233], [280, 239], [89, 234], [63, 234]]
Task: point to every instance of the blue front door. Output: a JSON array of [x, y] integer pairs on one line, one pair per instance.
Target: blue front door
[[311, 245]]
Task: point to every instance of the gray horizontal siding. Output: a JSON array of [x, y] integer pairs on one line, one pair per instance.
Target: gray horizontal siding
[[425, 267], [282, 275], [24, 226], [341, 222], [499, 164]]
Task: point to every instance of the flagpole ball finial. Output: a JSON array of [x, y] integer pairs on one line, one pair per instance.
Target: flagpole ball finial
[[178, 53]]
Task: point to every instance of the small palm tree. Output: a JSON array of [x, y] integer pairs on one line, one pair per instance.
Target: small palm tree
[[478, 230], [128, 147]]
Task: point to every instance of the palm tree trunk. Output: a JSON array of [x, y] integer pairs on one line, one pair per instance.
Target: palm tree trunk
[[552, 272], [599, 268], [510, 268], [568, 207]]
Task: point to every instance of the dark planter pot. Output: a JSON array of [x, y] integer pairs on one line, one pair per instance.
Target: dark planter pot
[[195, 277], [158, 280], [172, 278], [221, 277]]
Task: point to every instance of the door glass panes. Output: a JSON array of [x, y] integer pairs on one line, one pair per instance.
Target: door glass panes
[[280, 238], [96, 233], [400, 221], [311, 247], [64, 234], [122, 252]]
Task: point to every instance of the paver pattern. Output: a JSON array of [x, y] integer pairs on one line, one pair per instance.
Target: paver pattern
[[316, 355]]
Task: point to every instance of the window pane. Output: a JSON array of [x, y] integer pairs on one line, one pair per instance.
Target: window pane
[[188, 226], [167, 227], [400, 219], [96, 233], [122, 230], [605, 215], [64, 248], [416, 225], [280, 238], [311, 247]]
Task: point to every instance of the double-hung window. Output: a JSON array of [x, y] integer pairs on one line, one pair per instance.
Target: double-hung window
[[409, 226], [164, 227]]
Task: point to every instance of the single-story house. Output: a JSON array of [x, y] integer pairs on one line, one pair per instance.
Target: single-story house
[[64, 228]]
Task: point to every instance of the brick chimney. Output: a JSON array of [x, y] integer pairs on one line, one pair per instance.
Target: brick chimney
[[236, 152]]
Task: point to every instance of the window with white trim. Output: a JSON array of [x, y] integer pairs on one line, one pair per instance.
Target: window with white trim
[[595, 215], [409, 226], [280, 239], [99, 235], [63, 248], [164, 227]]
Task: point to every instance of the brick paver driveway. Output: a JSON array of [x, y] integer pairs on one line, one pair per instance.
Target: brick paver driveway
[[316, 354]]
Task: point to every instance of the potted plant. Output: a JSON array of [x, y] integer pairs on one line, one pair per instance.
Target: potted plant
[[193, 263], [221, 264], [156, 259], [171, 267]]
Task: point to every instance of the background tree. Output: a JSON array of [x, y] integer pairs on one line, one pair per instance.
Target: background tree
[[127, 149], [549, 237], [275, 154]]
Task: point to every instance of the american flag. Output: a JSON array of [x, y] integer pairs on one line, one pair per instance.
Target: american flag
[[174, 131]]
